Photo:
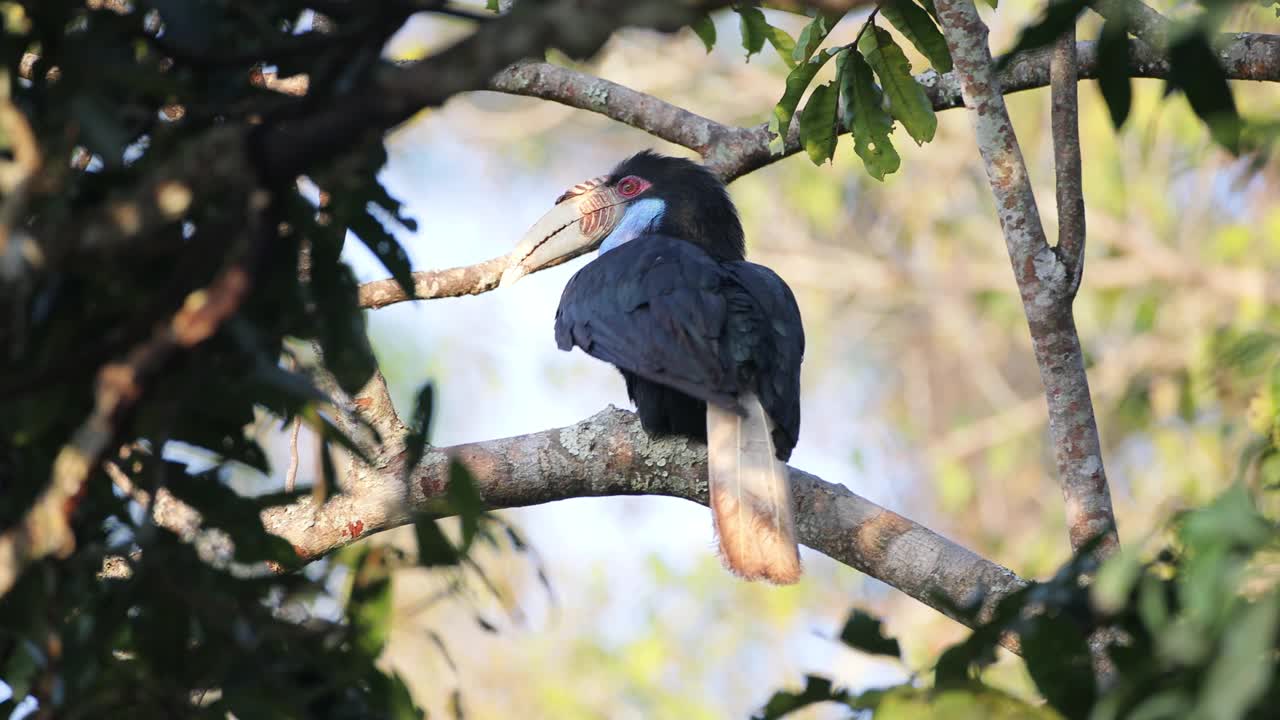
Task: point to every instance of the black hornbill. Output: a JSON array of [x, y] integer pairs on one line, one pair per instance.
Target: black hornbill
[[709, 344]]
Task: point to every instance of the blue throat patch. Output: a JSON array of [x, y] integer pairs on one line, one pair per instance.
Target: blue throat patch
[[641, 217]]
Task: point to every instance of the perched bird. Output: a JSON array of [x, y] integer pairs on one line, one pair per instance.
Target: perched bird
[[709, 344]]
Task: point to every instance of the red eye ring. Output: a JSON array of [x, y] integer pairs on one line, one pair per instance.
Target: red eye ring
[[631, 186]]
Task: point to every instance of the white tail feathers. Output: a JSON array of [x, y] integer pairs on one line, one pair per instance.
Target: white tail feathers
[[751, 495]]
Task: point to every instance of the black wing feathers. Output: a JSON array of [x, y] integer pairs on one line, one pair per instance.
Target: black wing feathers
[[663, 310]]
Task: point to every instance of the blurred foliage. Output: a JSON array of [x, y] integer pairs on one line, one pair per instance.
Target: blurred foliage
[[1194, 630], [122, 95]]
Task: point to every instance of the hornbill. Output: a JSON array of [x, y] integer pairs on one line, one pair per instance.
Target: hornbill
[[709, 344]]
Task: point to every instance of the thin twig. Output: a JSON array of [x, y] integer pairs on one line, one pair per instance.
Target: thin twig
[[1065, 122], [291, 476]]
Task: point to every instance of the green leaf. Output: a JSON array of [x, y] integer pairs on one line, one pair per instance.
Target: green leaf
[[818, 123], [101, 129], [797, 82], [816, 690], [361, 203], [369, 605], [1195, 70], [1058, 17], [369, 227], [783, 43], [813, 34], [1242, 671], [330, 432], [434, 548], [341, 330], [1113, 69], [419, 428], [864, 632], [1057, 656], [465, 500], [907, 99], [1116, 578], [930, 8], [917, 27], [492, 5], [862, 110], [753, 26], [705, 28]]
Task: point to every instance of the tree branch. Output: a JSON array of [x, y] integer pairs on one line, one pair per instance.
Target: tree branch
[[610, 454], [1065, 121], [1145, 23], [732, 152], [1044, 283], [46, 528]]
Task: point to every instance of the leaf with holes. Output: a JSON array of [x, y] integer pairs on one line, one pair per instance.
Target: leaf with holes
[[907, 99], [862, 111], [797, 82], [818, 123], [917, 27]]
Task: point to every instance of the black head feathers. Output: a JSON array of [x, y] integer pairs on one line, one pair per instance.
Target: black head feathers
[[698, 208]]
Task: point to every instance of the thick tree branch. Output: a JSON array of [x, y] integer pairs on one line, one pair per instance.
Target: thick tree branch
[[1044, 283], [609, 454], [618, 102]]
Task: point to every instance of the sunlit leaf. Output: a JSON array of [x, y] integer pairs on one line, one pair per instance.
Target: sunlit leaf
[[908, 102], [818, 123], [916, 26], [783, 43], [813, 34], [369, 604], [797, 82]]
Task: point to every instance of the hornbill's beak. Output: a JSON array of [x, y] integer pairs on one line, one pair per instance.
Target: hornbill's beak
[[582, 218]]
